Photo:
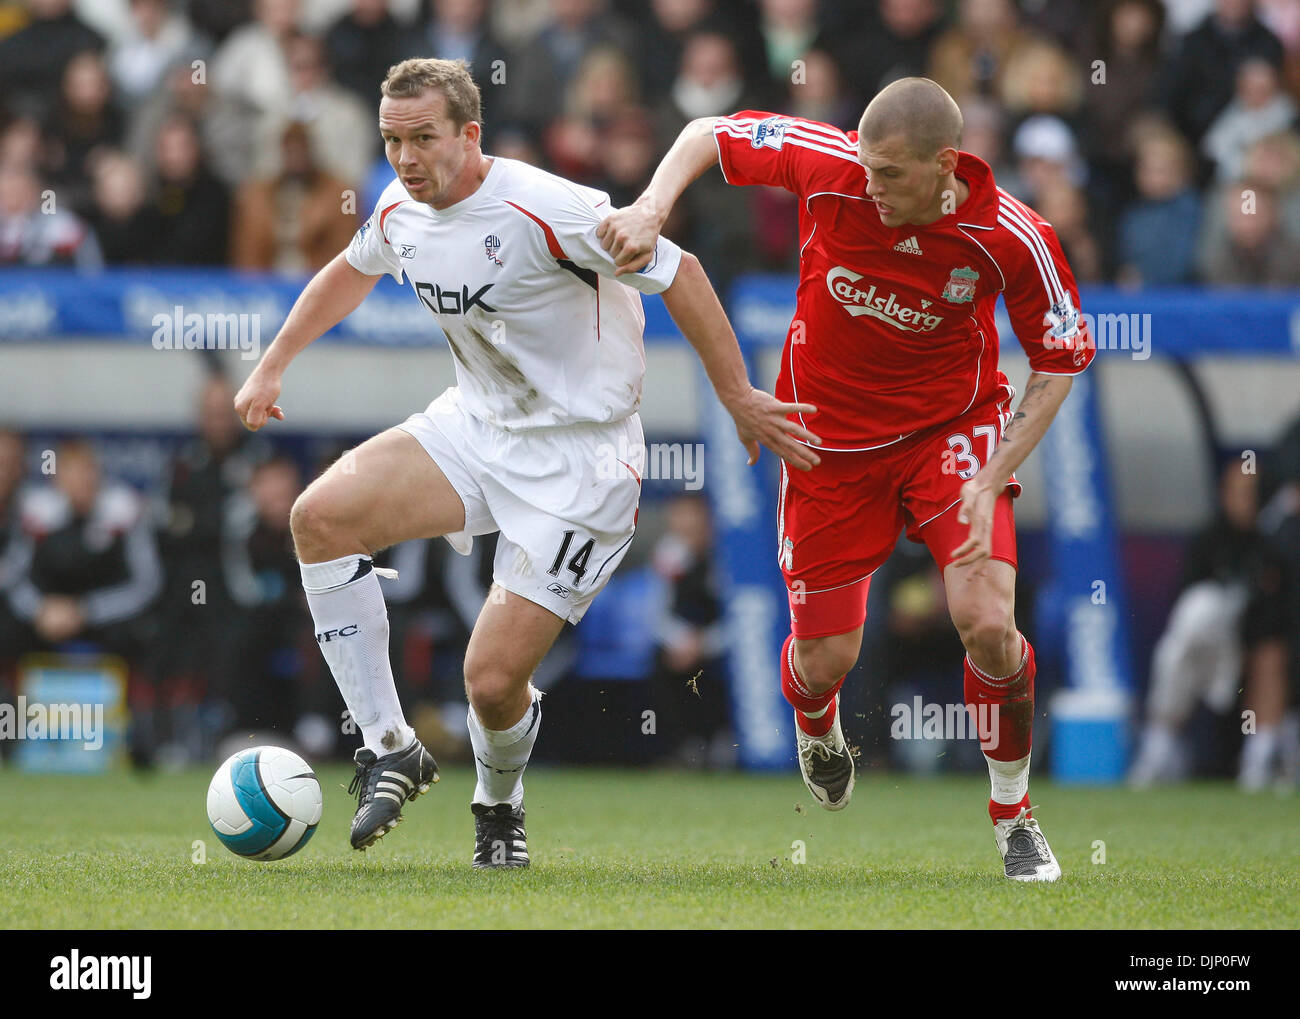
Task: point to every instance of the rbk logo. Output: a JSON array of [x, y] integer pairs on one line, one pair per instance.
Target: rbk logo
[[407, 251], [329, 635], [452, 301]]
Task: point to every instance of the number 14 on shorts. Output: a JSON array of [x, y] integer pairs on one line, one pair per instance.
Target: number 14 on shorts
[[577, 564], [960, 459]]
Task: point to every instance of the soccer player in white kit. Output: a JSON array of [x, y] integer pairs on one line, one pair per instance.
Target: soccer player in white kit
[[549, 364]]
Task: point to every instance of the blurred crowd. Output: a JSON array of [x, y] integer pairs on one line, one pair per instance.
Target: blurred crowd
[[194, 588], [1158, 136]]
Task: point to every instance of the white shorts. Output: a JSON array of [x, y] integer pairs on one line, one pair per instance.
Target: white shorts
[[565, 508]]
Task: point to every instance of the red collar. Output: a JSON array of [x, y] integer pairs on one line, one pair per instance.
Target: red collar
[[981, 206]]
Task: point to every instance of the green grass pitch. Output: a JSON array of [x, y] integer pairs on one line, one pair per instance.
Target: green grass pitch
[[617, 848]]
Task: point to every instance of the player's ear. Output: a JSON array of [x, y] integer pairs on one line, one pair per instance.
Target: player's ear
[[947, 161], [473, 132]]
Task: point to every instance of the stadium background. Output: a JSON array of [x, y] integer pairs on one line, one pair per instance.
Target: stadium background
[[134, 180]]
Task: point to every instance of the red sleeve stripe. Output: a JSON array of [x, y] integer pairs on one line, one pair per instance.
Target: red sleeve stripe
[[552, 245], [1017, 222], [383, 216]]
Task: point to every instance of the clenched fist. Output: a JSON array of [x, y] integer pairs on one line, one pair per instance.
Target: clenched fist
[[255, 401]]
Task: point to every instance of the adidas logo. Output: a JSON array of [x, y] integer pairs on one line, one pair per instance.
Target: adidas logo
[[908, 246]]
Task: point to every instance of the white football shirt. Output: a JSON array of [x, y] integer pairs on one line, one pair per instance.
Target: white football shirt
[[540, 331]]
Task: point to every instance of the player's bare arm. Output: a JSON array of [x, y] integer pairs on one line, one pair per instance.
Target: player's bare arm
[[759, 416], [629, 234], [331, 295], [1044, 395]]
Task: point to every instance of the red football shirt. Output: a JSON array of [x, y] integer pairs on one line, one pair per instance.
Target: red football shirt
[[893, 328]]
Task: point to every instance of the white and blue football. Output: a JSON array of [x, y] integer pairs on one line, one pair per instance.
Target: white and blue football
[[264, 803]]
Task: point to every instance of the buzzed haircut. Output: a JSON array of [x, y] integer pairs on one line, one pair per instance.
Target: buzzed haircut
[[918, 109], [412, 78]]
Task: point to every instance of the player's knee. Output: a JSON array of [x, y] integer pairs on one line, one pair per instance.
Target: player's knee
[[985, 632], [491, 690], [310, 519], [823, 661]]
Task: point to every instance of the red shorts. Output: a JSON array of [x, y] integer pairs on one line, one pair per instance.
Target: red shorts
[[837, 523]]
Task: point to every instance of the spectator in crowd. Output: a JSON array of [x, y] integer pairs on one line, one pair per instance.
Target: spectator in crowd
[[663, 36], [89, 570], [1228, 621], [818, 94], [1253, 250], [155, 38], [984, 134], [344, 136], [1259, 108], [33, 59], [124, 222], [460, 30], [260, 572], [1066, 208], [1040, 79], [788, 28], [896, 46], [719, 220], [970, 58], [35, 231], [1200, 78], [23, 144], [83, 120], [602, 90], [628, 156], [227, 125], [539, 75], [1274, 161], [690, 684], [363, 44], [1126, 83], [1157, 233], [1046, 153], [192, 205], [294, 222], [203, 477], [251, 65], [604, 87], [709, 83]]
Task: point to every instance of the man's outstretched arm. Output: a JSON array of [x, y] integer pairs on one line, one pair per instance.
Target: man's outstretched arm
[[629, 234], [332, 295], [1044, 395], [759, 416]]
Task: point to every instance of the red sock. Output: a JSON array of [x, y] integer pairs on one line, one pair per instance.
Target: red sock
[[1010, 738], [804, 700], [1006, 811]]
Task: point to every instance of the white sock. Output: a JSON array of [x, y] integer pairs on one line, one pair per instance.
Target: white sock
[[351, 620], [1159, 756], [1010, 779], [1257, 757], [500, 756]]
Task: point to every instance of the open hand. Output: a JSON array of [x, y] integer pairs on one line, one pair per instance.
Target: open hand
[[761, 418]]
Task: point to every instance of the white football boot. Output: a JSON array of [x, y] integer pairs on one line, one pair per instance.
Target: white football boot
[[826, 764], [1026, 855]]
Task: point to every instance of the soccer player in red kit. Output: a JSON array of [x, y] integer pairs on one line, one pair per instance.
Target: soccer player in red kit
[[905, 244]]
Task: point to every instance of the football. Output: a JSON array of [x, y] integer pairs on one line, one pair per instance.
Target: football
[[264, 803]]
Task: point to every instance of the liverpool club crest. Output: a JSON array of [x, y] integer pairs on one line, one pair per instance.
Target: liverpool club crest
[[960, 287]]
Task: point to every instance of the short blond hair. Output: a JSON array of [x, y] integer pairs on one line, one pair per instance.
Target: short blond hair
[[918, 109], [412, 78]]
